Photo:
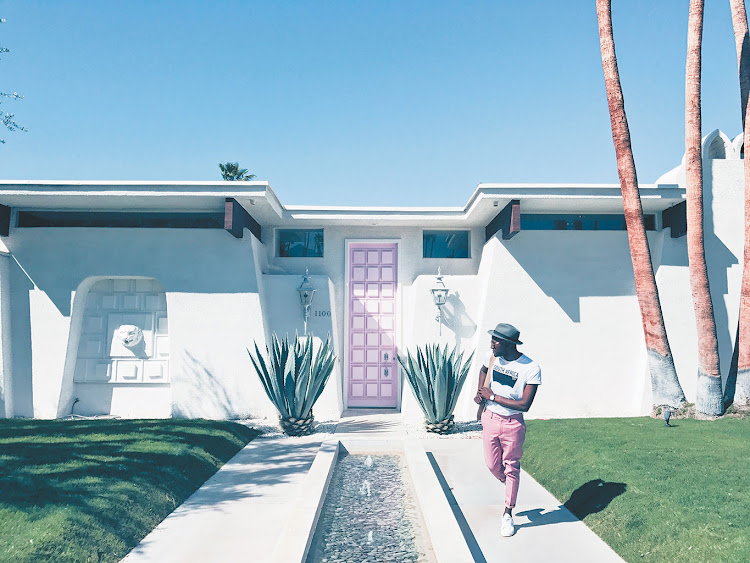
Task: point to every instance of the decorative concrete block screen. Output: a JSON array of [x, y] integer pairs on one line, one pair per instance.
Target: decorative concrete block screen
[[124, 334]]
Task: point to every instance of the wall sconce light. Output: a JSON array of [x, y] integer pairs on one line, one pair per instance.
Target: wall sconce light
[[306, 293], [439, 297]]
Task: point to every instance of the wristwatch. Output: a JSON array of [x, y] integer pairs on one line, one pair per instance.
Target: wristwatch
[[492, 397]]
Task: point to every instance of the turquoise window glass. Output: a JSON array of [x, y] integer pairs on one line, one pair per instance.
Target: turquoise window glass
[[293, 243], [572, 222], [445, 244]]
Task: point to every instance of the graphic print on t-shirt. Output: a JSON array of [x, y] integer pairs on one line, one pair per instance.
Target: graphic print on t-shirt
[[504, 376]]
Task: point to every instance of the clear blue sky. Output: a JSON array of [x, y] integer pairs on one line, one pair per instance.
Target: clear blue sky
[[351, 102]]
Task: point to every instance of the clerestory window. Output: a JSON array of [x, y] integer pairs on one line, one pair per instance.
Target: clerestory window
[[573, 222], [445, 244], [293, 243]]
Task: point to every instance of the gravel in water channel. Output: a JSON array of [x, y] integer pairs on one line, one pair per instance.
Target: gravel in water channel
[[370, 515]]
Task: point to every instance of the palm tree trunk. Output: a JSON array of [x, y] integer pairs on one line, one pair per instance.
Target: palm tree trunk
[[737, 388], [666, 389], [742, 343], [738, 382], [709, 398], [742, 42]]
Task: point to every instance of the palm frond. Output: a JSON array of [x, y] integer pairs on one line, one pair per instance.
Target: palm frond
[[231, 171]]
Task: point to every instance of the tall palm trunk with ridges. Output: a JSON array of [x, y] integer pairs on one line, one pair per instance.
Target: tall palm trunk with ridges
[[666, 389], [709, 397], [742, 43], [738, 382]]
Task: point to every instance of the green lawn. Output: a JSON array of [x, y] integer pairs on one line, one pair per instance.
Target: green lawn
[[90, 490], [678, 494]]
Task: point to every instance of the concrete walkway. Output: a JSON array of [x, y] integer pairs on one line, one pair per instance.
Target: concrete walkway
[[545, 530], [240, 512]]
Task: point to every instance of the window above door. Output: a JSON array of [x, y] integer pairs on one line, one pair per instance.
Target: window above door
[[297, 243], [446, 244]]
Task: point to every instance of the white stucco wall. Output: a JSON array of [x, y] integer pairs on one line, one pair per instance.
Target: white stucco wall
[[213, 304], [724, 202], [284, 318], [459, 327], [572, 296], [6, 394], [571, 293], [416, 318], [725, 218]]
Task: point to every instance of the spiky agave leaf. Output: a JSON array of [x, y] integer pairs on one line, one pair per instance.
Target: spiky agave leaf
[[425, 387], [290, 375], [415, 373], [262, 371], [408, 367], [293, 377], [455, 361], [308, 377], [280, 355], [301, 373], [463, 372], [426, 368], [436, 377], [271, 376], [451, 360], [322, 368], [303, 359], [440, 375], [286, 366]]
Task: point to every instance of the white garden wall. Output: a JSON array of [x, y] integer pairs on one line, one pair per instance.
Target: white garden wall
[[213, 303], [285, 319], [724, 227], [571, 294]]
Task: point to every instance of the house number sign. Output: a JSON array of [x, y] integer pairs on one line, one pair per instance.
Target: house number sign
[[322, 313]]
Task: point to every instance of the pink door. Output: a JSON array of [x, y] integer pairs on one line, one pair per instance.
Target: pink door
[[373, 367]]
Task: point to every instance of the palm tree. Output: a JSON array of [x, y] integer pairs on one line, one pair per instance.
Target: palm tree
[[666, 388], [231, 171], [709, 398], [738, 383]]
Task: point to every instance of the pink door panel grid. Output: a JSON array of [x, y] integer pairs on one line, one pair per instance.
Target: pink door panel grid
[[373, 277]]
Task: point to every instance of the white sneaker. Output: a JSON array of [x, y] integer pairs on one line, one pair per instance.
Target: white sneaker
[[506, 528]]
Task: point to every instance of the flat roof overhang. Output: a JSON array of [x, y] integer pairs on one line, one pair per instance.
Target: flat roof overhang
[[259, 200]]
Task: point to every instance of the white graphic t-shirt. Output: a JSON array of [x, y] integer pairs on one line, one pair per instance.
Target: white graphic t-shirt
[[510, 378]]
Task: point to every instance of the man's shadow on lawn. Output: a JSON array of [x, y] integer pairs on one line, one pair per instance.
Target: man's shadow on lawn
[[593, 496]]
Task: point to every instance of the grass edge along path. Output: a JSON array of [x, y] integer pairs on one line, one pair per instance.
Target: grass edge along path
[[652, 493], [74, 490]]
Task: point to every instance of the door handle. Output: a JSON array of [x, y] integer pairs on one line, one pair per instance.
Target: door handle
[[385, 372], [385, 356]]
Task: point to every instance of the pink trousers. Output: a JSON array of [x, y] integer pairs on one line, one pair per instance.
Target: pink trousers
[[503, 438]]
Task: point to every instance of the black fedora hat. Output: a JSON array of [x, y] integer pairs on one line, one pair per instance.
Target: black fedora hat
[[504, 331]]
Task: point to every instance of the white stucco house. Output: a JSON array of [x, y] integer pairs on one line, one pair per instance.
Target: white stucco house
[[140, 299]]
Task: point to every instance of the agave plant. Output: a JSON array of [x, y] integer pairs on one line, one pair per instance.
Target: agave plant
[[293, 378], [436, 377]]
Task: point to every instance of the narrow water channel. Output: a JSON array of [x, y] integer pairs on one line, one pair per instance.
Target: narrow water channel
[[370, 514]]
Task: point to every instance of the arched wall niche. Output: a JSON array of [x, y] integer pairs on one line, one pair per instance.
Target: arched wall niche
[[120, 352]]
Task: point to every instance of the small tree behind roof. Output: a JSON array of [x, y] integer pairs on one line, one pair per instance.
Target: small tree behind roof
[[231, 171]]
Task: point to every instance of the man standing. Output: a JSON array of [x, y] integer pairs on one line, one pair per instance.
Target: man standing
[[515, 378]]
